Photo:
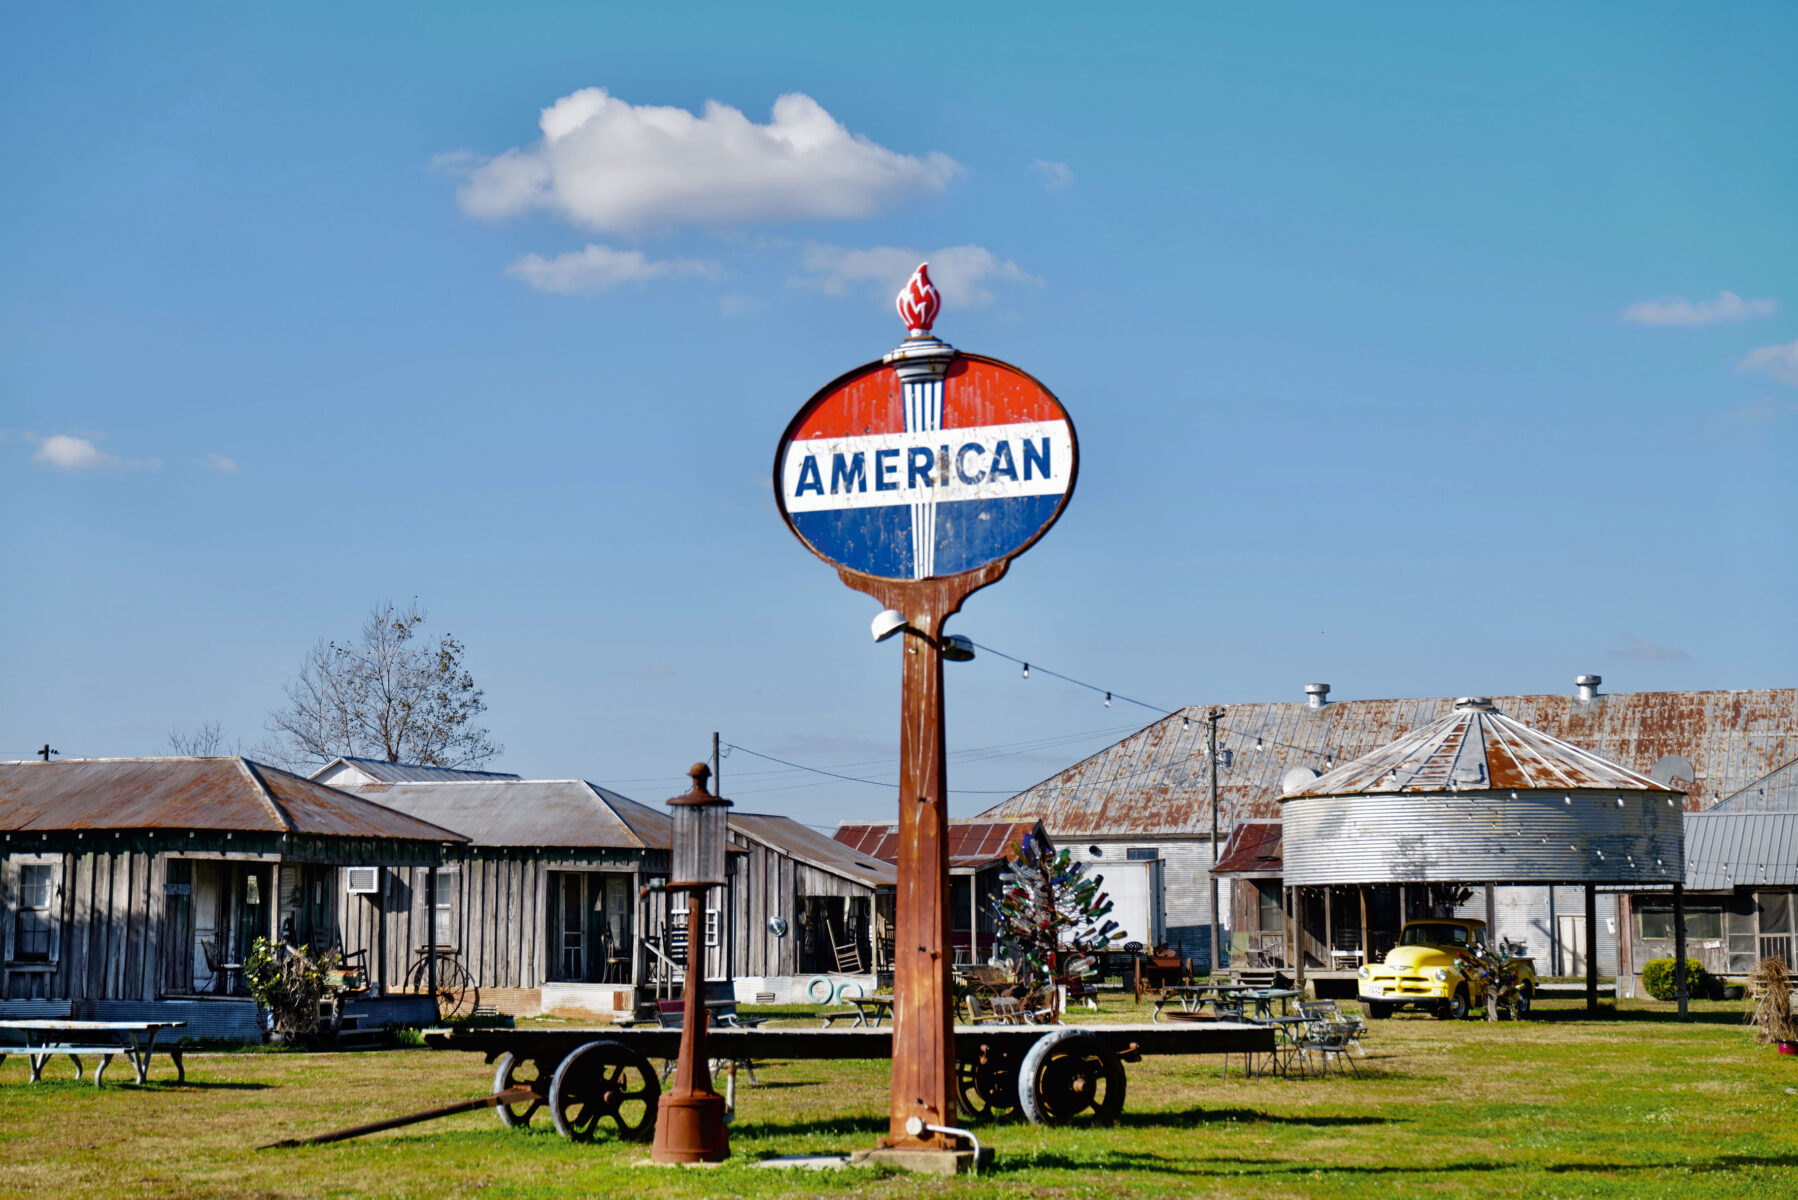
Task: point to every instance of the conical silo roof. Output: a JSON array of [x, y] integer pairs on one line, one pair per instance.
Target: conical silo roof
[[1474, 746]]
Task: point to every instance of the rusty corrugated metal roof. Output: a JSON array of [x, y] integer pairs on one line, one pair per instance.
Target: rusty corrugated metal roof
[[1155, 781], [568, 813], [973, 844], [1475, 746], [233, 794], [1253, 848]]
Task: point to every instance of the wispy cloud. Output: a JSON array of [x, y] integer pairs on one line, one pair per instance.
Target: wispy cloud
[[1055, 175], [1677, 310], [1766, 410], [1779, 362], [599, 267], [962, 273], [611, 166], [219, 463], [70, 453], [1640, 650]]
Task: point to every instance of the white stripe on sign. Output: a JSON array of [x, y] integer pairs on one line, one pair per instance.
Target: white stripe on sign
[[984, 462]]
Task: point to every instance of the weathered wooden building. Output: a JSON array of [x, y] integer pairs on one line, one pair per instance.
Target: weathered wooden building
[[1151, 791], [804, 904], [550, 903], [978, 852], [133, 887]]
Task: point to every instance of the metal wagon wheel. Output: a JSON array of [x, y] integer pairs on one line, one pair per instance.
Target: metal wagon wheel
[[1069, 1074], [605, 1081], [989, 1084], [512, 1072], [456, 992]]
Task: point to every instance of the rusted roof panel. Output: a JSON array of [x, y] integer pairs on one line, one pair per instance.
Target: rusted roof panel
[[1474, 746], [789, 837], [232, 794], [1155, 782], [973, 844], [569, 813], [1253, 848]]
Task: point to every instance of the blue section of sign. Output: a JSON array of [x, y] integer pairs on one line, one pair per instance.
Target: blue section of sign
[[969, 534], [972, 533], [874, 541]]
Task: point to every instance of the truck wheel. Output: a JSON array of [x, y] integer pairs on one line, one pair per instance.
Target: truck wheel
[[1457, 1008], [1525, 993], [1377, 1011]]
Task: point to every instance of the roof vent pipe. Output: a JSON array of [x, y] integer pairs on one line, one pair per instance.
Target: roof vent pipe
[[1317, 694], [1588, 687]]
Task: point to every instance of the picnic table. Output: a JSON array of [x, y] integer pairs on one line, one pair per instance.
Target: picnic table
[[42, 1040], [1264, 998], [1192, 997]]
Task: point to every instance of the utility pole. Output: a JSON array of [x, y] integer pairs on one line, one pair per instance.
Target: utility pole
[[717, 765], [1211, 719], [46, 752]]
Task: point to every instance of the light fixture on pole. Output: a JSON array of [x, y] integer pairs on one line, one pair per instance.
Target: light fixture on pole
[[690, 1122]]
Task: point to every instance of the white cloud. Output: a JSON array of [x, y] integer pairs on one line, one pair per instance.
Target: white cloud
[[615, 167], [961, 273], [1781, 362], [1642, 650], [1055, 175], [1677, 310], [219, 463], [599, 267], [72, 453]]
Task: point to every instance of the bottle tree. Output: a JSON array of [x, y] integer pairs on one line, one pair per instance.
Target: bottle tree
[[1051, 917]]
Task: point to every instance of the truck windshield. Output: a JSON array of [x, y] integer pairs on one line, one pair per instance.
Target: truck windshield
[[1434, 935]]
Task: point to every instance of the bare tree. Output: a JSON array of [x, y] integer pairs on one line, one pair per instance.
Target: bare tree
[[204, 742], [389, 695]]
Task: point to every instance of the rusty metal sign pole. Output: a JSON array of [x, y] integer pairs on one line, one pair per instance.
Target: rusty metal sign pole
[[920, 477], [923, 998]]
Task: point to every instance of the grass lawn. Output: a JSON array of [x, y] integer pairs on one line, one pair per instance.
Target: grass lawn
[[1631, 1105]]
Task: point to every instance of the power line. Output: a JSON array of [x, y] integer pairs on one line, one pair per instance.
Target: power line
[[870, 782]]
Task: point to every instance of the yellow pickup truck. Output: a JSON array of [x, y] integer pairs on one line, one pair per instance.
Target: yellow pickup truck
[[1421, 972]]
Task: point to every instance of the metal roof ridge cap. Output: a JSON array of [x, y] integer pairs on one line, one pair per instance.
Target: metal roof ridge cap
[[250, 768], [605, 802]]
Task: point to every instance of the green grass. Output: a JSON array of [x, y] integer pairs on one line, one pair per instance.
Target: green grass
[[1634, 1104]]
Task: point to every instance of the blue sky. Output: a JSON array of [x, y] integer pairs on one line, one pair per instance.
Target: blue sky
[[1421, 351]]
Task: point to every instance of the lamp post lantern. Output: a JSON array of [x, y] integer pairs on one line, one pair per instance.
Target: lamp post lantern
[[690, 1121]]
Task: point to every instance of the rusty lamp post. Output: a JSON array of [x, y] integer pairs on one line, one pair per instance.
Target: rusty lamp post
[[690, 1122]]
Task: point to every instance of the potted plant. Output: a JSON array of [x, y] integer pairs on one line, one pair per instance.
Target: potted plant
[[1771, 1013]]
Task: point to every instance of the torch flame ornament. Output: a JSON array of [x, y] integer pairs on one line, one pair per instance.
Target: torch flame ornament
[[919, 302]]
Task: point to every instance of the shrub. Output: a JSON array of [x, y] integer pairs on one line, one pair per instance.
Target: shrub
[[1657, 978]]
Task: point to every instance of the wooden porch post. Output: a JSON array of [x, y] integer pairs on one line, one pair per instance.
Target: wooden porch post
[[1366, 940], [1681, 984], [1298, 960], [1491, 945], [1591, 948], [1329, 954]]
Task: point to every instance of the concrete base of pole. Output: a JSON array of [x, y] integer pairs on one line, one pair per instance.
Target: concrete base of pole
[[690, 1129], [924, 1162]]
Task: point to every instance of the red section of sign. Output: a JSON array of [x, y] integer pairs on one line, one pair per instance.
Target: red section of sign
[[975, 392], [870, 403]]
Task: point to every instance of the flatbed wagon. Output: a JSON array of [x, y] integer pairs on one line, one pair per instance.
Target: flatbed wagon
[[601, 1080]]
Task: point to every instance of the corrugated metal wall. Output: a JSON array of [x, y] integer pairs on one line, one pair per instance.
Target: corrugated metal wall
[[1480, 837]]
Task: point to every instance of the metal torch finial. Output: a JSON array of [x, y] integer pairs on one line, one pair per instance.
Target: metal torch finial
[[919, 302]]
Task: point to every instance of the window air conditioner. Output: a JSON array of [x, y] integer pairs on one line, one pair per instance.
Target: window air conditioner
[[362, 879]]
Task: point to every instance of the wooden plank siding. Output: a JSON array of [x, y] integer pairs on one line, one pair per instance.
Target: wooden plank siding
[[114, 937]]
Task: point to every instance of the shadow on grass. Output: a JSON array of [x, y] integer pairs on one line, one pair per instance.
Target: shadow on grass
[[1640, 1016], [205, 1085], [1196, 1117], [758, 1130]]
